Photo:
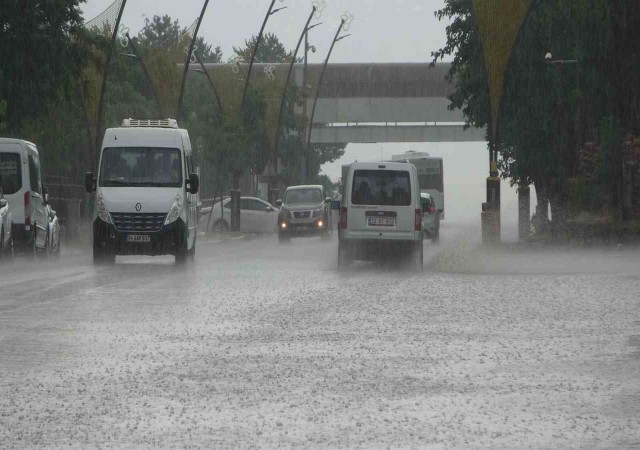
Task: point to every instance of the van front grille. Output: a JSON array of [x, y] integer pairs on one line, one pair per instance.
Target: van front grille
[[138, 222]]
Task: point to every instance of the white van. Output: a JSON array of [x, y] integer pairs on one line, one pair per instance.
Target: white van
[[146, 188], [21, 182], [380, 212]]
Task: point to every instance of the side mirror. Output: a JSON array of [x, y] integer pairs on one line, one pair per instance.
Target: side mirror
[[440, 210], [52, 214], [89, 182], [335, 205], [268, 209], [45, 195], [194, 183], [327, 200], [3, 202], [279, 203]]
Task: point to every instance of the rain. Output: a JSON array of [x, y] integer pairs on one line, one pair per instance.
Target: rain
[[322, 224]]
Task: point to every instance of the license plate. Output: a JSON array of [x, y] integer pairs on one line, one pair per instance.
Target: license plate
[[138, 238], [382, 221]]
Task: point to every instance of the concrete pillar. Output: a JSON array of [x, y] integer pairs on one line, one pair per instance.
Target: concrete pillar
[[235, 210], [491, 208], [524, 212]]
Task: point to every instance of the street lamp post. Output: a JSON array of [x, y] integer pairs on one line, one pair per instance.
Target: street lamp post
[[345, 23], [270, 12], [286, 83]]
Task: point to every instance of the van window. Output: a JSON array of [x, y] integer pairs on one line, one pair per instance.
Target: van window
[[10, 173], [141, 166], [34, 174], [381, 187]]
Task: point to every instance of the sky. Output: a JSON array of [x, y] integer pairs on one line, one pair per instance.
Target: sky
[[382, 31]]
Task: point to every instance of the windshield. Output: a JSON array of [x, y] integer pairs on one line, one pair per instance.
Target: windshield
[[381, 187], [141, 166], [303, 196], [10, 173]]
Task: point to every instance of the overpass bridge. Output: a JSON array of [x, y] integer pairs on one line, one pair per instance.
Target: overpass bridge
[[379, 102]]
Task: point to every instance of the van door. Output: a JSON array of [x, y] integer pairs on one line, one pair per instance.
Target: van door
[[38, 207], [381, 202]]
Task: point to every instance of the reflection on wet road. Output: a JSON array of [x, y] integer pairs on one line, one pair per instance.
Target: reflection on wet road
[[261, 344]]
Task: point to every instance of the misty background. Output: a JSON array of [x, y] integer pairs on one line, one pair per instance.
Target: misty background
[[393, 31]]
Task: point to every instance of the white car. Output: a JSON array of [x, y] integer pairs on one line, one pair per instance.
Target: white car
[[22, 185], [380, 213], [146, 186], [256, 216], [6, 222]]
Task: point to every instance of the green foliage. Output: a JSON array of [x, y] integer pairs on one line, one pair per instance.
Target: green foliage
[[548, 110], [39, 53], [270, 50]]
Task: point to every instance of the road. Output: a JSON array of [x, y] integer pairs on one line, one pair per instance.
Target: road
[[263, 345]]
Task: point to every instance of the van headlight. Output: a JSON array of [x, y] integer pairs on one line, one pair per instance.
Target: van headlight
[[174, 212], [101, 208]]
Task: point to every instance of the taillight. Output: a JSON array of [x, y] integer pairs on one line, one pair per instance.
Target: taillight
[[418, 224], [27, 208], [343, 218]]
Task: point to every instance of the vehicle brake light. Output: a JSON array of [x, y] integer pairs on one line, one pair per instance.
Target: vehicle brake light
[[418, 224], [27, 208], [343, 218]]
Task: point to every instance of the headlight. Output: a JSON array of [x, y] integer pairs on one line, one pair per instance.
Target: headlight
[[102, 209], [318, 212], [174, 212]]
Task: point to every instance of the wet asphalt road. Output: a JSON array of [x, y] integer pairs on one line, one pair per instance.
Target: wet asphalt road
[[262, 345]]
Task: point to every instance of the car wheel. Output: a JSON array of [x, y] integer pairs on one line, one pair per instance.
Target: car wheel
[[220, 226], [34, 245], [284, 237], [417, 257], [182, 253], [192, 253], [2, 249], [344, 256]]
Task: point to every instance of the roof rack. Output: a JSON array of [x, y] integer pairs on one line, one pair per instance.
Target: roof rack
[[150, 123]]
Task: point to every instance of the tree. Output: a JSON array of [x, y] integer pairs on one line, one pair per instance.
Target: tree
[[162, 32], [270, 50], [548, 111], [39, 53]]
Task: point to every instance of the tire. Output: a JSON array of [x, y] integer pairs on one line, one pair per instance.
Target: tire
[[325, 235], [182, 253], [220, 226], [45, 253], [417, 257], [103, 255], [344, 256], [284, 237], [34, 245], [2, 249], [191, 254]]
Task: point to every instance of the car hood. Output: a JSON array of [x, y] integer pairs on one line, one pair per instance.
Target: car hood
[[139, 199], [303, 207]]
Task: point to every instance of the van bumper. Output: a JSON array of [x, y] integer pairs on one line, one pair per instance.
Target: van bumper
[[167, 241], [373, 249]]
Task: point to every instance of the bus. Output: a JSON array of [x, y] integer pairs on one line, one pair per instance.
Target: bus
[[430, 175]]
